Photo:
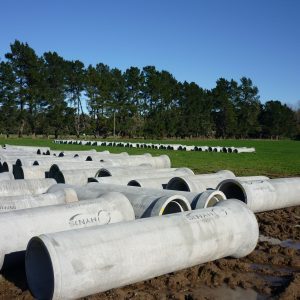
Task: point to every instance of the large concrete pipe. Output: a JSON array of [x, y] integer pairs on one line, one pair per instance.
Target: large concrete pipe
[[159, 177], [29, 201], [25, 187], [17, 227], [76, 177], [32, 172], [196, 200], [201, 183], [152, 183], [198, 183], [121, 171], [243, 150], [264, 195], [201, 148], [159, 162], [100, 156], [77, 263], [6, 176]]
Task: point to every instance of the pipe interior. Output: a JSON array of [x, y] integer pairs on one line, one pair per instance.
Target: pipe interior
[[173, 207], [39, 270], [5, 166], [233, 191], [104, 173], [59, 177], [134, 183], [35, 163], [178, 184]]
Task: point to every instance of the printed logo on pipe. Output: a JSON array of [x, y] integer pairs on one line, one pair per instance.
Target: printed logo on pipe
[[206, 216], [102, 217]]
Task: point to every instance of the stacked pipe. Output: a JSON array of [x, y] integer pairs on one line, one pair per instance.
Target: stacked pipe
[[175, 147], [65, 231]]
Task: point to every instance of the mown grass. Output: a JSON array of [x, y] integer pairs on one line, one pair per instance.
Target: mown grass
[[272, 158]]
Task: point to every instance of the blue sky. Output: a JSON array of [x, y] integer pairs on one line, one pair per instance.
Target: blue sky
[[194, 40]]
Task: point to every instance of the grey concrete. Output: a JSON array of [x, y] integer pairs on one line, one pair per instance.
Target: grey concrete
[[17, 227], [6, 176], [264, 195], [10, 203], [25, 187], [78, 263], [145, 202], [26, 148], [94, 190], [243, 150]]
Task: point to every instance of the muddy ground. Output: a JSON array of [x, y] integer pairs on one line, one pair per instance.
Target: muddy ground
[[271, 271]]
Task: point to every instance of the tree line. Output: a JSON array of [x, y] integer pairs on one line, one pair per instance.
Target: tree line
[[53, 96]]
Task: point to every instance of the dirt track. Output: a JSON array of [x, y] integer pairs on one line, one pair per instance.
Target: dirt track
[[272, 270]]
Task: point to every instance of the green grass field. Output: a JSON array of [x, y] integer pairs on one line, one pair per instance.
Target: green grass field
[[272, 158]]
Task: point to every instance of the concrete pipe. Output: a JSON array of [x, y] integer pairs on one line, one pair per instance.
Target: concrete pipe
[[152, 183], [121, 171], [198, 183], [29, 201], [164, 176], [159, 162], [25, 186], [264, 195], [76, 177], [6, 176], [94, 190], [33, 172], [77, 263], [243, 150], [17, 227]]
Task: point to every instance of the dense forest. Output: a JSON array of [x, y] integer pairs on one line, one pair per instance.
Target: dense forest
[[52, 96]]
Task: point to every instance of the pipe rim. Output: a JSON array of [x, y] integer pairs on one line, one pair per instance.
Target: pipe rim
[[180, 203], [178, 184], [233, 189], [39, 269]]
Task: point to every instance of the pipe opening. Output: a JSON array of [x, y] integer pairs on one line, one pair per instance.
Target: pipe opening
[[89, 158], [18, 172], [36, 163], [178, 184], [172, 208], [229, 150], [39, 270], [61, 154], [18, 162], [58, 176], [224, 149], [5, 167], [104, 173], [233, 190], [210, 149], [134, 183], [235, 151]]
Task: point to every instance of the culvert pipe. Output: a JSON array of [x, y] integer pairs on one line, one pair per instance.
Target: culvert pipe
[[29, 201], [157, 177], [159, 162], [152, 183], [76, 177], [121, 171], [198, 183], [25, 186], [94, 190], [78, 263], [264, 195], [17, 227], [243, 150]]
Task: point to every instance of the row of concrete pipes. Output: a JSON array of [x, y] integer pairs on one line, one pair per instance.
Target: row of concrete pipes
[[78, 240], [175, 147]]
